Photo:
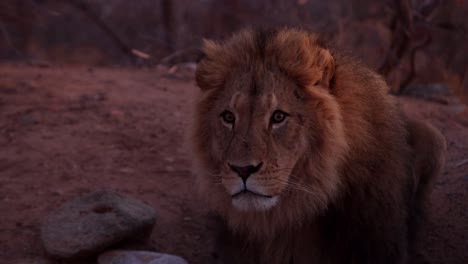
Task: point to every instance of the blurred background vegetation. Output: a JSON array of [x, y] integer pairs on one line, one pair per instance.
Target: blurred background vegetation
[[411, 42]]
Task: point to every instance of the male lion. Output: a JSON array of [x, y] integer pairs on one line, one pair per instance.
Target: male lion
[[305, 155]]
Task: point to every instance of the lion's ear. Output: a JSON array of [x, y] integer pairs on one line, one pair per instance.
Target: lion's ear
[[304, 58], [326, 63], [210, 48], [321, 58], [210, 71]]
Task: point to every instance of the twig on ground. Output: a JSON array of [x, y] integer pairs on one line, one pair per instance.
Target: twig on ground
[[178, 53], [463, 162]]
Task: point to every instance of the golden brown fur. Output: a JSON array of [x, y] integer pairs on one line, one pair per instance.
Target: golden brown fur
[[346, 175]]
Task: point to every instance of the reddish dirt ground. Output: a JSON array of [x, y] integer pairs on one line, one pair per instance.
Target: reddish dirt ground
[[68, 131]]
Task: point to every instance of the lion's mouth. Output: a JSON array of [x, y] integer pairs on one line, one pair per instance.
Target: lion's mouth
[[249, 192]]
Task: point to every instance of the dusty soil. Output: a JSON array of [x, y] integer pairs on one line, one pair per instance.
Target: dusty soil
[[67, 131]]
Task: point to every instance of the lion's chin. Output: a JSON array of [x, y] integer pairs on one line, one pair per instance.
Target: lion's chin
[[253, 202]]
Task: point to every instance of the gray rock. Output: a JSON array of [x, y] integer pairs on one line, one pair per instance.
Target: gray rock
[[34, 260], [138, 257], [94, 222], [435, 92]]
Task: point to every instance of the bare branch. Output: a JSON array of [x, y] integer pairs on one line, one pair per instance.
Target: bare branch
[[7, 38], [88, 12], [412, 72], [401, 27]]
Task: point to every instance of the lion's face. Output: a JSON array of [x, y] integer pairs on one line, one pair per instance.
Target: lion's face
[[258, 130], [266, 125]]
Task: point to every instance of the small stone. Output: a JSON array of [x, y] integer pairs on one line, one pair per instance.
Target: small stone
[[100, 96], [169, 159], [57, 192], [27, 118], [94, 222], [138, 257], [40, 64]]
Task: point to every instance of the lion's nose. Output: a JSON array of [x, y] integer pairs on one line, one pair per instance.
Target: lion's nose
[[245, 171]]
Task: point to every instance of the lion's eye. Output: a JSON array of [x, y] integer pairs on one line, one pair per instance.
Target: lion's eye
[[278, 117], [228, 117]]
